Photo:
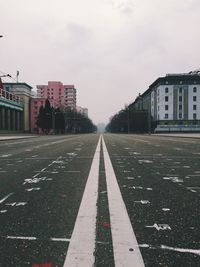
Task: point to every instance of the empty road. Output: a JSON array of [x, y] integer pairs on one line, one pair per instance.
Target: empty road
[[92, 200]]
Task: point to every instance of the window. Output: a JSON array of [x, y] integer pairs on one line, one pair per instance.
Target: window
[[180, 90], [194, 89], [180, 107], [166, 99], [180, 116], [166, 116], [180, 98], [194, 107], [166, 107], [194, 116], [194, 98], [166, 90]]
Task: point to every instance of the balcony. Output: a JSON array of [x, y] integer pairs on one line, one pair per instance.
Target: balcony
[[10, 100]]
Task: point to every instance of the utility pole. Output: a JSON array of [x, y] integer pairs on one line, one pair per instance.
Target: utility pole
[[17, 76], [149, 121], [128, 119], [53, 121]]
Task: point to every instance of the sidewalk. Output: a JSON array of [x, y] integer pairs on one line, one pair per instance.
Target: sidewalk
[[5, 137], [185, 135]]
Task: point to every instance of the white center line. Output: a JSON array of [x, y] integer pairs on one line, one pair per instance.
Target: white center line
[[82, 245], [125, 246]]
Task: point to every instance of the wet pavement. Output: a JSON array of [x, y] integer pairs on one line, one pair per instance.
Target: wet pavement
[[160, 183], [41, 186], [42, 181]]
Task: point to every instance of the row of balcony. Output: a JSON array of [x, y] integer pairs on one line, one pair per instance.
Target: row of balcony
[[8, 97]]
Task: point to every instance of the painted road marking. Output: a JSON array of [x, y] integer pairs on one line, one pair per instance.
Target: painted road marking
[[125, 246], [32, 238], [60, 239], [6, 156], [6, 197], [32, 189], [22, 237], [159, 227], [82, 245]]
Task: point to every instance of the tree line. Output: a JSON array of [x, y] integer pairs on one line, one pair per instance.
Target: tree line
[[130, 120], [57, 121]]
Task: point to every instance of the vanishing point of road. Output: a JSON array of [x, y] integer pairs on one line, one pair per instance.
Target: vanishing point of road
[[100, 200]]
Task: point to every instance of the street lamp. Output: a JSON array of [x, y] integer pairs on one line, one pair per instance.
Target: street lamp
[[128, 119]]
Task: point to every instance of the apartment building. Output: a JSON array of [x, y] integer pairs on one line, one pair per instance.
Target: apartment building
[[173, 102], [63, 96]]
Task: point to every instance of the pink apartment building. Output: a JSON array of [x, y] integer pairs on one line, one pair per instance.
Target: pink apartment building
[[63, 96], [59, 95]]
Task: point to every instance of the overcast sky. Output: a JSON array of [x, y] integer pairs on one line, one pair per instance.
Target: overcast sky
[[111, 50]]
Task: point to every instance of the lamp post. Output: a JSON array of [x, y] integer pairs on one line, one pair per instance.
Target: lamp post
[[128, 117]]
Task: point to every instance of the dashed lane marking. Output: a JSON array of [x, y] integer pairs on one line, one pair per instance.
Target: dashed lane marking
[[33, 238], [6, 197], [6, 155]]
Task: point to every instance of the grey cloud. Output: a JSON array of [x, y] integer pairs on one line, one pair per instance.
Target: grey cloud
[[124, 6]]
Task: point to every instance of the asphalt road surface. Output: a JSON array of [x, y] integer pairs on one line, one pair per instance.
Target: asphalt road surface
[[84, 200]]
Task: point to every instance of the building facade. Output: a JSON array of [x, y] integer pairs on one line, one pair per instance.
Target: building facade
[[35, 105], [63, 96], [23, 92], [173, 102], [11, 112]]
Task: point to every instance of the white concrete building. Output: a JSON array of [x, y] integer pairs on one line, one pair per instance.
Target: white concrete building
[[173, 102]]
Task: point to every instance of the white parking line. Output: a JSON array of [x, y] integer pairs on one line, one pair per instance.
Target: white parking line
[[125, 246], [82, 245]]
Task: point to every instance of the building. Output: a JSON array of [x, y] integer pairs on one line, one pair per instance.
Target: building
[[63, 96], [23, 91], [11, 111], [83, 111], [173, 102], [59, 95], [35, 105]]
